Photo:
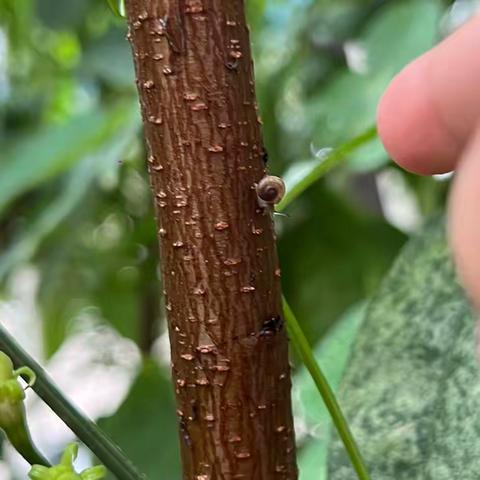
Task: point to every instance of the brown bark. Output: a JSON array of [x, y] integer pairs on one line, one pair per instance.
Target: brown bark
[[220, 268]]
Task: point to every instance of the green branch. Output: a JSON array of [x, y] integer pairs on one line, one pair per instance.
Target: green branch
[[301, 344], [334, 158], [87, 431]]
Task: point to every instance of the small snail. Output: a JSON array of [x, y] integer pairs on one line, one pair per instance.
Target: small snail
[[270, 190]]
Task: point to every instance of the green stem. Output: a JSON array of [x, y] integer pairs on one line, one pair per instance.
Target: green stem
[[334, 158], [301, 344], [87, 431]]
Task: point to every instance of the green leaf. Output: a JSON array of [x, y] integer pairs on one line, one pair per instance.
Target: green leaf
[[117, 7], [311, 415], [75, 188], [145, 426], [412, 389], [40, 156]]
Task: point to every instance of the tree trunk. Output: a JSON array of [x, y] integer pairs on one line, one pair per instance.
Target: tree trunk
[[219, 261]]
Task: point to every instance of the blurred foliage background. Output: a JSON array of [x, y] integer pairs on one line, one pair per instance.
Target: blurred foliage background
[[79, 278]]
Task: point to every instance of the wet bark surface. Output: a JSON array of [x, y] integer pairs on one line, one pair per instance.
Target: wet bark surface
[[220, 269]]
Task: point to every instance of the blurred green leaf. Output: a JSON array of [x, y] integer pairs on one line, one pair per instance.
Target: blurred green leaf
[[399, 32], [118, 71], [412, 388], [311, 416], [255, 12], [76, 186], [31, 160], [145, 427], [331, 257], [61, 15], [118, 281]]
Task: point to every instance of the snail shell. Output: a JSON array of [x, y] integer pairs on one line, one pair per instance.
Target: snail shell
[[271, 189]]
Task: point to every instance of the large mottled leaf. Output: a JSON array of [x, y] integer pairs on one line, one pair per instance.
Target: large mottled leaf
[[412, 390], [145, 426], [312, 420]]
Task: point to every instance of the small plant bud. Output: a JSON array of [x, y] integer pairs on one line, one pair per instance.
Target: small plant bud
[[64, 470]]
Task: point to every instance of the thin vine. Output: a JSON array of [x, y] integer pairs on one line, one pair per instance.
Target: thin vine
[[300, 342], [86, 430]]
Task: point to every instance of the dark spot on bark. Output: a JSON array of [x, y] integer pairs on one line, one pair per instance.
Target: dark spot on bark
[[271, 326]]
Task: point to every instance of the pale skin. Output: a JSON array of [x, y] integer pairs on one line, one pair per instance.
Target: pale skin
[[429, 122]]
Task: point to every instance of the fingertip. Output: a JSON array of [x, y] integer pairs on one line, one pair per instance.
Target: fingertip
[[409, 126], [464, 227]]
